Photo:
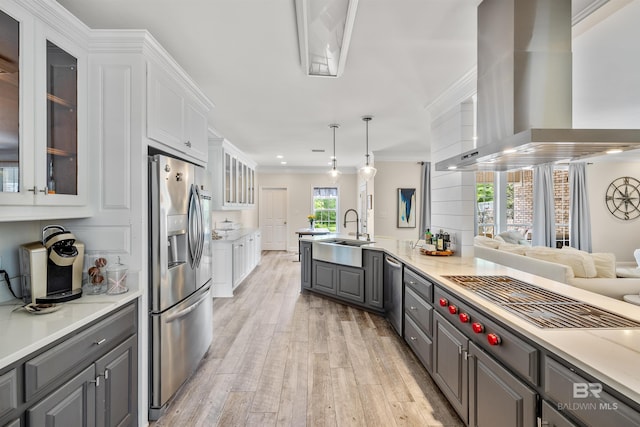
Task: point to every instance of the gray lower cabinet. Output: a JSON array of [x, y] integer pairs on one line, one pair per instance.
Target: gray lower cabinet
[[117, 392], [342, 281], [73, 404], [420, 343], [350, 283], [496, 397], [373, 262], [418, 325], [450, 368], [585, 399], [305, 265], [553, 418], [323, 277], [89, 378], [8, 392]]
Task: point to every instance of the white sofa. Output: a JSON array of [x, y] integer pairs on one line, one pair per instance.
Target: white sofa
[[611, 287]]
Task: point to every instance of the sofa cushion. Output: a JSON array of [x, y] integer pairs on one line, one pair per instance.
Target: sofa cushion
[[582, 265], [628, 272], [512, 236], [605, 262], [486, 242], [513, 248]]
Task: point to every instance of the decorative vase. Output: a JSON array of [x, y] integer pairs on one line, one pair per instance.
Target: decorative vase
[[311, 225]]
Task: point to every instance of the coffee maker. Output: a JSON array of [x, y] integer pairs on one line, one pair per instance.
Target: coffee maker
[[51, 270]]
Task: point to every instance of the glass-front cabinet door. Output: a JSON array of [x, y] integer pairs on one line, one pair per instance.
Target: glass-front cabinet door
[[9, 104], [62, 121], [43, 143]]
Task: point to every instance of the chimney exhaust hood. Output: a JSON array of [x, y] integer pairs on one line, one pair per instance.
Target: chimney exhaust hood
[[524, 91]]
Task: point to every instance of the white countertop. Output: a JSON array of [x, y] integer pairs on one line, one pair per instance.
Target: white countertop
[[22, 333], [611, 355], [231, 236]]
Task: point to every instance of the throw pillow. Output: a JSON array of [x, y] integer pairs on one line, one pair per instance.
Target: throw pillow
[[628, 272], [582, 266], [486, 242], [605, 262]]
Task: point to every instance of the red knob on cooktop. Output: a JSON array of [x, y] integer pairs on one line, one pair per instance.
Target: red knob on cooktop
[[464, 317], [494, 339], [453, 309], [443, 302], [477, 327]]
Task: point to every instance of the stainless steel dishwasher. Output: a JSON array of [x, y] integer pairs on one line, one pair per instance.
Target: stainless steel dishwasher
[[393, 292]]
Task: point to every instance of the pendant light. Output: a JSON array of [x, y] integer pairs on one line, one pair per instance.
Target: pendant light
[[334, 173], [367, 171]]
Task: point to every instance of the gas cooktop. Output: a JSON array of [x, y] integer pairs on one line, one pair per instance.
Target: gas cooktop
[[539, 306]]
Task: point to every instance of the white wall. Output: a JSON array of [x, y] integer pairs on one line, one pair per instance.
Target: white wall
[[390, 177], [610, 234], [299, 191], [14, 234]]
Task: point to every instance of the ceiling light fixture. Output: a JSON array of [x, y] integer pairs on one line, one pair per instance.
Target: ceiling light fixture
[[367, 171], [334, 174], [324, 34]]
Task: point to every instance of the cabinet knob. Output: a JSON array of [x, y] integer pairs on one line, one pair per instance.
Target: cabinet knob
[[413, 308], [413, 338], [188, 144], [45, 191], [33, 190]]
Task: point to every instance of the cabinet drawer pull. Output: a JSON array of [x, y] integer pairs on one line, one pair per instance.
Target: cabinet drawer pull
[[102, 341], [413, 308], [96, 381], [413, 338], [45, 191], [33, 190], [411, 282]]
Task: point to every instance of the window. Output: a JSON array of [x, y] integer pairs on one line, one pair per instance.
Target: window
[[512, 208], [325, 207], [561, 204], [519, 195], [485, 204]]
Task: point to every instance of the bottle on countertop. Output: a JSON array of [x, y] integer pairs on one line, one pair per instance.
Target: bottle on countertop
[[447, 241], [427, 236], [440, 245]]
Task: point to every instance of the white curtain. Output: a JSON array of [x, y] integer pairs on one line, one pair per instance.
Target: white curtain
[[425, 204], [579, 214], [544, 218]]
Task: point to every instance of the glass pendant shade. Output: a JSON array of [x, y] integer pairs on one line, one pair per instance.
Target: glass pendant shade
[[367, 171], [334, 173]]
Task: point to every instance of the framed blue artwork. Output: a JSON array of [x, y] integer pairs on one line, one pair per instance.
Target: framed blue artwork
[[406, 208]]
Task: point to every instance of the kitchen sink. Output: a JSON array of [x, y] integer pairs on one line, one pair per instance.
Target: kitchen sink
[[339, 251]]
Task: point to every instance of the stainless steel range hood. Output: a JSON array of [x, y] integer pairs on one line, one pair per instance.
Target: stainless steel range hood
[[524, 91]]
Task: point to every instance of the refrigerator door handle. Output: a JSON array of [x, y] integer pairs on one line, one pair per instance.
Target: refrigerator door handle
[[187, 310], [193, 227], [200, 240]]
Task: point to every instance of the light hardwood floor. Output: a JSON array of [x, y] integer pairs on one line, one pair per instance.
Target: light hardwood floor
[[284, 358]]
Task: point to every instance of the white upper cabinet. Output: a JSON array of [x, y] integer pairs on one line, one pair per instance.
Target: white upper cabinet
[[175, 117], [233, 175], [43, 116]]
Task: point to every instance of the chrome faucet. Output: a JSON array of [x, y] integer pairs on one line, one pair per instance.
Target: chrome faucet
[[357, 221]]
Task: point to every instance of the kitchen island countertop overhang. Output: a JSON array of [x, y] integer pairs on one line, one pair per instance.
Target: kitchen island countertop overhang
[[610, 355]]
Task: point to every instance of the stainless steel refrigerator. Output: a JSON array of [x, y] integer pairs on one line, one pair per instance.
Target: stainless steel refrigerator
[[180, 302]]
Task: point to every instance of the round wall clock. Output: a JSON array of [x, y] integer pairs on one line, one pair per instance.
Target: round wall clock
[[623, 198]]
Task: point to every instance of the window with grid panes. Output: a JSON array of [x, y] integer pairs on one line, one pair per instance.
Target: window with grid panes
[[325, 207]]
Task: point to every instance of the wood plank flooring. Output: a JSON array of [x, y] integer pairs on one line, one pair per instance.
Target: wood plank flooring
[[284, 358]]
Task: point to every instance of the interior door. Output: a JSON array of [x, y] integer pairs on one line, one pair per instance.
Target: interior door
[[273, 208]]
